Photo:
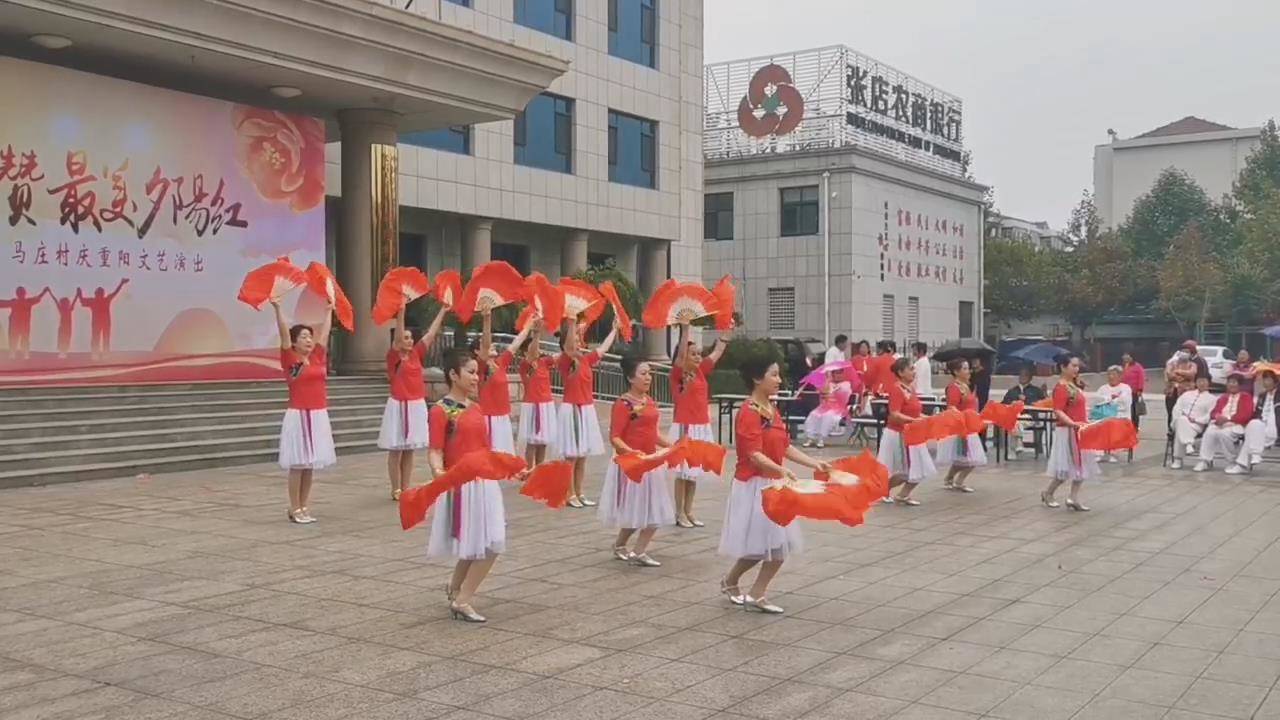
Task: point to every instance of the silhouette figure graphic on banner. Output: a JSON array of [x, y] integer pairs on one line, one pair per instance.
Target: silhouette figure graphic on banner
[[99, 306], [20, 321], [65, 306]]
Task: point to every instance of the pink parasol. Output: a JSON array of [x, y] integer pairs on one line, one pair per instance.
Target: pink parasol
[[817, 377]]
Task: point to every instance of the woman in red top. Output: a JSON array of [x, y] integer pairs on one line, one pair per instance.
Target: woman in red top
[[468, 523], [763, 443], [578, 427], [1135, 376], [404, 419], [1225, 431], [306, 440], [963, 454], [537, 429], [625, 504], [692, 418], [1066, 460], [908, 465], [495, 389]]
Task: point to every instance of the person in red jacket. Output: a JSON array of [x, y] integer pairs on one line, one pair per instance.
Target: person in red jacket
[[691, 394], [1067, 462], [1226, 427]]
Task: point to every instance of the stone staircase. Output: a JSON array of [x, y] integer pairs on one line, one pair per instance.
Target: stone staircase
[[61, 434]]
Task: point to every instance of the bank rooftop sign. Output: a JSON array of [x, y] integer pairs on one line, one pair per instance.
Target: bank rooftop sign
[[827, 98]]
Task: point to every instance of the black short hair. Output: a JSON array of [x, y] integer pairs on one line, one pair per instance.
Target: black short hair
[[954, 364], [296, 330], [1065, 359], [841, 338], [864, 343], [474, 346], [922, 348], [900, 366], [524, 346], [630, 364], [454, 360], [753, 370]]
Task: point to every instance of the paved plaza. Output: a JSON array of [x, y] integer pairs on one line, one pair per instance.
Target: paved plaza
[[191, 596]]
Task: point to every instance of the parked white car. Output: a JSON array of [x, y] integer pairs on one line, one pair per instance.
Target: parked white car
[[1219, 359]]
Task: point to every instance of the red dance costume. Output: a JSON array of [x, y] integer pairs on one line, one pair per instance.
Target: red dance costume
[[469, 523], [748, 532]]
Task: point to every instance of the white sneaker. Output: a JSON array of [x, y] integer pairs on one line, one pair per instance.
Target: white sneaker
[[1235, 469], [887, 499], [1175, 465], [821, 445], [1202, 466], [1255, 459], [1113, 459], [1190, 448], [808, 443]]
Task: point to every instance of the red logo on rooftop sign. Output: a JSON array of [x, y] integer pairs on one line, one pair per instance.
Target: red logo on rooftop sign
[[783, 109]]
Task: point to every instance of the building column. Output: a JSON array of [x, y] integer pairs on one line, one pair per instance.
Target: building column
[[477, 246], [652, 272], [573, 253], [368, 227]]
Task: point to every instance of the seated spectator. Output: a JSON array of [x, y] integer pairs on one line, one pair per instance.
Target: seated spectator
[[1260, 433], [1244, 366], [1226, 427], [1029, 395], [1190, 417], [1114, 399]]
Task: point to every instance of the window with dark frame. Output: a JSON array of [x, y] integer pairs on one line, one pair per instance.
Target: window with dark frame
[[633, 31], [454, 139], [717, 216], [553, 17], [633, 150], [799, 211], [516, 255], [542, 133], [966, 319]]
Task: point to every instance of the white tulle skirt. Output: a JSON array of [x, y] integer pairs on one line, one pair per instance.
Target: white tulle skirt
[[821, 423], [306, 440], [748, 532], [914, 463], [961, 452], [537, 424], [501, 438], [469, 523], [578, 431], [404, 425], [1068, 462], [636, 505], [697, 432]]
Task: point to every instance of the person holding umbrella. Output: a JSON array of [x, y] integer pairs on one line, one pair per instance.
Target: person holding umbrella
[[836, 391]]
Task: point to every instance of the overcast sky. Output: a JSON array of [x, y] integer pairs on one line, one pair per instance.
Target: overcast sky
[[1041, 81]]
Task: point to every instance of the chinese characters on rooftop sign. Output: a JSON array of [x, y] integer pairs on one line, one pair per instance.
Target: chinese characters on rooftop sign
[[847, 99]]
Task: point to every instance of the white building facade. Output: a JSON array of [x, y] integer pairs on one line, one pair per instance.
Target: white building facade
[[837, 196], [1212, 154], [1035, 233], [606, 164]]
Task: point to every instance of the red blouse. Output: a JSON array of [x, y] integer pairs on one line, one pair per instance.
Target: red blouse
[[307, 378], [536, 378], [905, 401], [457, 430], [1070, 401], [495, 391], [1244, 409], [960, 400], [692, 393], [579, 377], [754, 433], [635, 424], [405, 373]]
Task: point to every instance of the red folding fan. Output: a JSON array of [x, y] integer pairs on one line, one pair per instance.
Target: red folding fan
[[702, 454], [545, 298], [1003, 416], [448, 287], [399, 287], [678, 303], [726, 297], [322, 282], [610, 294], [634, 465], [477, 464], [492, 285], [273, 280], [863, 468], [815, 500], [973, 422], [919, 432], [948, 424], [549, 483], [581, 301], [1109, 435]]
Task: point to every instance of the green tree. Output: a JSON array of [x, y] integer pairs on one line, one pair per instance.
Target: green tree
[[1014, 275], [1253, 190], [1174, 201], [1096, 278], [1191, 279], [1253, 284], [1084, 225]]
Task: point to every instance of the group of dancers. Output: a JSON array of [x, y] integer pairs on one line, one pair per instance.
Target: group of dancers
[[469, 523]]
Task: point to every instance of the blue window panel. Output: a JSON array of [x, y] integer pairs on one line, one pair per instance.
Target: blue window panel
[[463, 3], [633, 30], [455, 139], [544, 133], [633, 147], [554, 17]]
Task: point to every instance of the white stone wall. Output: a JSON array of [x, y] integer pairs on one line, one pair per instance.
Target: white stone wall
[[488, 183], [760, 258]]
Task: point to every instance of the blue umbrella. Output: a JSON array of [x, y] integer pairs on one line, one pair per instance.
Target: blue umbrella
[[1272, 332], [1040, 354]]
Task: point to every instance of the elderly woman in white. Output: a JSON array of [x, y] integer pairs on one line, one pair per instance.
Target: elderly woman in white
[[1114, 399], [1191, 415], [1261, 432]]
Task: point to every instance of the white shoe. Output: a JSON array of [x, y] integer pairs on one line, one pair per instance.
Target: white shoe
[[1235, 469], [1255, 459], [1202, 466], [1113, 459], [887, 499], [808, 443], [1190, 448], [820, 445], [1175, 465]]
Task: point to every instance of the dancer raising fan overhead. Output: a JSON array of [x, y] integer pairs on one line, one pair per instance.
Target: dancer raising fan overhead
[[763, 444], [404, 420], [692, 418], [306, 440], [495, 390], [963, 453], [626, 505], [1067, 462], [579, 426], [537, 429]]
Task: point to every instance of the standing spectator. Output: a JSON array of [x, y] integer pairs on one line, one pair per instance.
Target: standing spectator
[[1180, 376], [1202, 365], [862, 358], [1243, 365], [981, 382], [1135, 376], [839, 350], [924, 370]]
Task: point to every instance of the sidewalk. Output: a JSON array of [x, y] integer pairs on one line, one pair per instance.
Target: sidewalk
[[190, 596]]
